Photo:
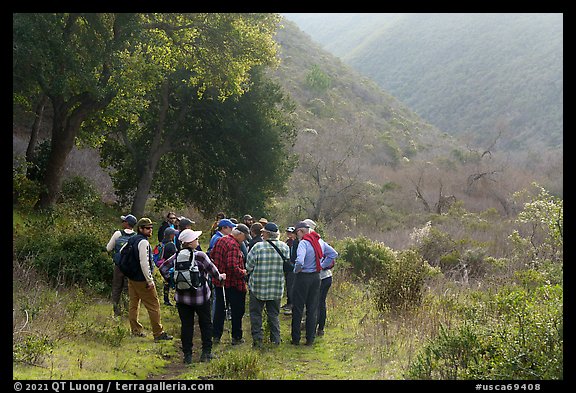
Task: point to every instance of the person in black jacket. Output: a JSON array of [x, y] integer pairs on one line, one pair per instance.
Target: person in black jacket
[[170, 222], [141, 287]]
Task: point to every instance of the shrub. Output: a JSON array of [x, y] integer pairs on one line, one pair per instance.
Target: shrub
[[68, 256], [396, 278], [32, 349], [513, 334]]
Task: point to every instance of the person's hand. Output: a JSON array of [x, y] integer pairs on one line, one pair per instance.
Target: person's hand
[[222, 276]]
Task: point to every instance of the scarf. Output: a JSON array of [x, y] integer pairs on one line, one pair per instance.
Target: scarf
[[314, 238]]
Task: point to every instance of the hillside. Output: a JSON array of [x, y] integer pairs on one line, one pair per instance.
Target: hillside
[[468, 74]]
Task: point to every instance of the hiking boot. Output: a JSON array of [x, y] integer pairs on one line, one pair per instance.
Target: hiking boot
[[294, 342], [206, 357], [320, 332], [117, 311], [163, 336], [309, 342], [287, 311], [187, 358], [237, 341], [257, 344]]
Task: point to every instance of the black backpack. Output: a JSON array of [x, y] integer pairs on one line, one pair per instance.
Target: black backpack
[[120, 242], [129, 262]]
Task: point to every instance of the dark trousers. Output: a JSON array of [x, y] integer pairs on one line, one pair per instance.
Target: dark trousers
[[186, 313], [325, 285], [236, 300], [306, 292], [119, 283], [289, 276]]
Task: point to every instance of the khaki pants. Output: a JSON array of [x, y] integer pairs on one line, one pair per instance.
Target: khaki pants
[[138, 293]]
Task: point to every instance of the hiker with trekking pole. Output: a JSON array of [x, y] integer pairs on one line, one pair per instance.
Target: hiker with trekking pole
[[229, 259]]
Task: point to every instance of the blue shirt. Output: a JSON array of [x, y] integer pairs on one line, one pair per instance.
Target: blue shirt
[[306, 258], [213, 241]]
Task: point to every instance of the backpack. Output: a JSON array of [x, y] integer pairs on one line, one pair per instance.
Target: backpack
[[165, 267], [186, 273], [120, 243], [158, 254], [129, 262]]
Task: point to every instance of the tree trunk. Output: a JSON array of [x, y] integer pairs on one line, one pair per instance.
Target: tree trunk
[[38, 112], [65, 127], [145, 183]]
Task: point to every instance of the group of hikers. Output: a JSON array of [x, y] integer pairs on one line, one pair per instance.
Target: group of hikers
[[242, 258]]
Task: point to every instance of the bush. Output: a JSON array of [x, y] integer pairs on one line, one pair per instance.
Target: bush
[[68, 256], [513, 334], [396, 278]]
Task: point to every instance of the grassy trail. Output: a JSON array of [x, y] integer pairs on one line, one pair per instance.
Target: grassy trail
[[95, 345]]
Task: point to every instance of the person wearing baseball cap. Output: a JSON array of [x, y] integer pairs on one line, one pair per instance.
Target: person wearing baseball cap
[[228, 258], [266, 282], [223, 228], [118, 239], [313, 255], [141, 288]]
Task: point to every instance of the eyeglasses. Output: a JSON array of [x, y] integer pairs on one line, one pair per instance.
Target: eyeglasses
[[148, 228], [171, 218]]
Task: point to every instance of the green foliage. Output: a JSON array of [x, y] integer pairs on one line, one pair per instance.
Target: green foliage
[[449, 356], [317, 80], [396, 278], [81, 195], [32, 349], [237, 365], [69, 256], [540, 238], [25, 192], [513, 334]]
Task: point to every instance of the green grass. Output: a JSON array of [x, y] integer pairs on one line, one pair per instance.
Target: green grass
[[90, 348]]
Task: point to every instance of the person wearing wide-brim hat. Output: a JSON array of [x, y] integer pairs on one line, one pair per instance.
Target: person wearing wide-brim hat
[[196, 300]]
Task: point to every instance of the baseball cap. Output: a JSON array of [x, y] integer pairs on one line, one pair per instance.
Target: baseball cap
[[301, 224], [130, 219], [243, 228], [270, 227], [226, 223]]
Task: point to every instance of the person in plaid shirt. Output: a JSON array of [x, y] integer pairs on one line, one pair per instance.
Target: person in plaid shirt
[[196, 301], [229, 259], [265, 268]]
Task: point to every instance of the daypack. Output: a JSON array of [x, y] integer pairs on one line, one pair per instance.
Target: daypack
[[120, 243], [158, 254], [165, 267], [186, 273], [129, 262]]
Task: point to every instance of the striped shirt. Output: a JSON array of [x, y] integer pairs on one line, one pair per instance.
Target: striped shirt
[[264, 265], [196, 297]]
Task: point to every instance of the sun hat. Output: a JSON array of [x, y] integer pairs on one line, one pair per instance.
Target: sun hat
[[188, 235]]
